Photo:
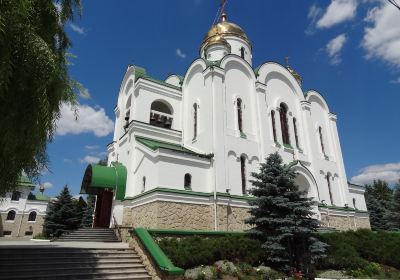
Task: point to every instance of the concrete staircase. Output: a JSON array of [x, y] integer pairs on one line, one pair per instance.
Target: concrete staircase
[[54, 262], [90, 235]]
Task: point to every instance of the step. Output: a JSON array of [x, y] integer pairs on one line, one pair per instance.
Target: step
[[46, 260], [56, 271], [126, 274], [7, 252], [70, 264]]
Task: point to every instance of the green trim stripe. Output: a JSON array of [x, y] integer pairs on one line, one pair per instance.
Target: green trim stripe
[[188, 192], [163, 262], [348, 209], [194, 232]]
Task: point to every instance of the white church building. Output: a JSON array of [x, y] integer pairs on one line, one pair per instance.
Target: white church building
[[184, 148]]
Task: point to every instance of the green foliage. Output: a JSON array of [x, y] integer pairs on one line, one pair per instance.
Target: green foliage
[[353, 250], [194, 251], [39, 236], [61, 215], [87, 218], [282, 218], [34, 82], [378, 197], [393, 217]]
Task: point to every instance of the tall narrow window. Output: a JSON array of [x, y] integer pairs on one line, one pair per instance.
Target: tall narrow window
[[328, 179], [194, 120], [32, 216], [239, 114], [354, 203], [16, 195], [242, 52], [284, 124], [321, 140], [11, 215], [273, 125], [188, 181], [143, 183], [295, 133], [243, 173]]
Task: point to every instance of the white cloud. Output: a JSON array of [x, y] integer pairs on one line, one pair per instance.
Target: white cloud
[[313, 14], [90, 159], [337, 12], [180, 53], [89, 120], [396, 81], [47, 185], [334, 48], [382, 36], [84, 93], [67, 160], [77, 29], [92, 147], [389, 172]]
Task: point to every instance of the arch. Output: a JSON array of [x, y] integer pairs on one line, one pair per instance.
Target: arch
[[198, 65], [11, 215], [128, 86], [32, 216], [300, 169], [271, 70], [188, 181], [231, 60], [128, 102], [161, 113], [283, 112], [242, 49], [314, 96]]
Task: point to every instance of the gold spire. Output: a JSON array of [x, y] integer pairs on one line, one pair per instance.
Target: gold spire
[[293, 72]]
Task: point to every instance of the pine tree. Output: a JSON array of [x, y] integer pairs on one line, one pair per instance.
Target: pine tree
[[61, 215], [283, 219], [80, 207], [393, 218], [87, 219], [378, 197]]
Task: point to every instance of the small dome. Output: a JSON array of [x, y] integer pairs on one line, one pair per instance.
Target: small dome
[[217, 40], [225, 28]]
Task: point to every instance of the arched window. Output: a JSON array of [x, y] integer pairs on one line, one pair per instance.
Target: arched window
[[188, 181], [243, 173], [11, 215], [321, 139], [32, 216], [161, 114], [284, 124], [295, 133], [273, 125], [328, 179], [242, 52], [16, 195], [143, 183], [239, 114], [194, 120]]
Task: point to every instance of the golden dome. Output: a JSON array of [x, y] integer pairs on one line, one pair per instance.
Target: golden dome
[[217, 40], [224, 28]]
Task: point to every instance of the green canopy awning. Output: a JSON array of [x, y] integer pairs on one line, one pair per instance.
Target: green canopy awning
[[98, 178]]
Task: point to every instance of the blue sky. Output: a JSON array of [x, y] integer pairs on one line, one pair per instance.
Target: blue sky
[[349, 50]]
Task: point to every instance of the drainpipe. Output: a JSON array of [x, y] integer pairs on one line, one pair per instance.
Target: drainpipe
[[215, 197]]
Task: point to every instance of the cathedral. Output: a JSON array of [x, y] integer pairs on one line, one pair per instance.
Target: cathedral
[[184, 148]]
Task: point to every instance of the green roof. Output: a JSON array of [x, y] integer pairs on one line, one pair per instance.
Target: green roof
[[25, 182], [140, 72], [156, 144], [39, 197]]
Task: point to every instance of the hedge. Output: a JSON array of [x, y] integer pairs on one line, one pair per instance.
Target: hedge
[[349, 250]]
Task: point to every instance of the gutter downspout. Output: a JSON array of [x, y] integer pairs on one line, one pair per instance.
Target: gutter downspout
[[213, 165]]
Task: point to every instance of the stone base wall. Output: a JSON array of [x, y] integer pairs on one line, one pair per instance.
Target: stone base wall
[[342, 223], [36, 227], [185, 216]]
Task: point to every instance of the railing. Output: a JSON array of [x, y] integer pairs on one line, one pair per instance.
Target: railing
[[160, 119], [117, 228]]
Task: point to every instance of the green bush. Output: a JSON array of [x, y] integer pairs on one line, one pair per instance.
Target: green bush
[[354, 250], [194, 251]]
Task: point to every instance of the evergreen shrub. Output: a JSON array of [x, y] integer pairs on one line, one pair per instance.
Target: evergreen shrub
[[189, 252]]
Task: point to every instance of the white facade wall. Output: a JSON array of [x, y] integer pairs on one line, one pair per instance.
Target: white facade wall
[[215, 89]]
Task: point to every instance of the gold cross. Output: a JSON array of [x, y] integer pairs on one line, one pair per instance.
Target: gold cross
[[223, 3], [287, 60]]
